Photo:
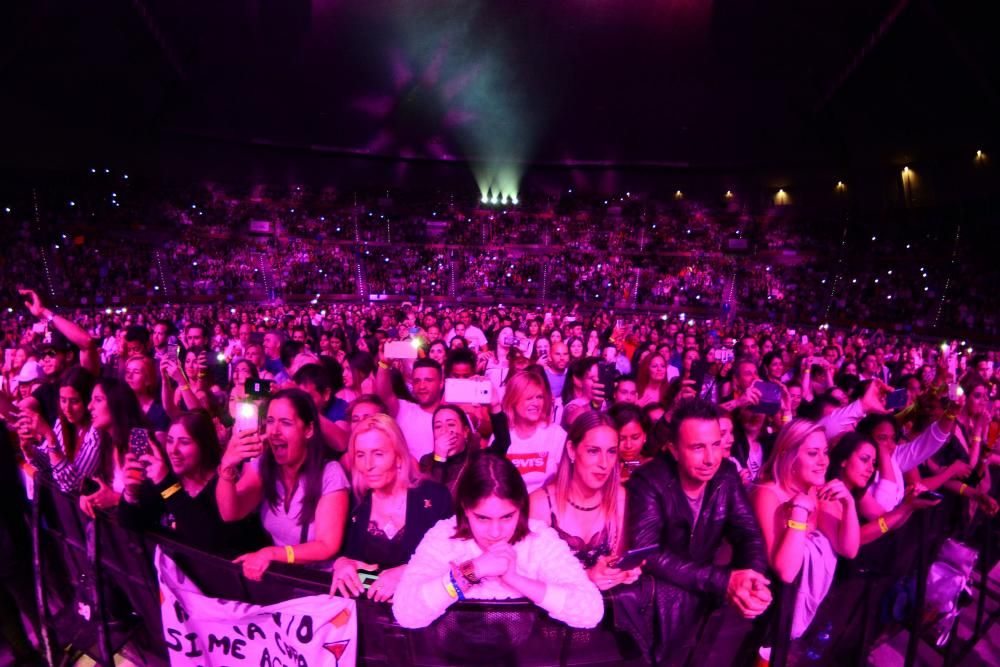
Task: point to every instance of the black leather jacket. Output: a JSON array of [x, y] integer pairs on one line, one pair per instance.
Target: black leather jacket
[[686, 583]]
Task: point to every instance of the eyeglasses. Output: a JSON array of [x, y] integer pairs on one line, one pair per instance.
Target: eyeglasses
[[50, 354]]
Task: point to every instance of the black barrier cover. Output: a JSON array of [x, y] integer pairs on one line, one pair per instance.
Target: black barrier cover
[[503, 632]]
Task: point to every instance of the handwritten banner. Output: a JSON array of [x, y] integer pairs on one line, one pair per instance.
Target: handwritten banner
[[201, 631]]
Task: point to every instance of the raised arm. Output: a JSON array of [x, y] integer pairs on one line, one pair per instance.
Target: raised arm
[[90, 357]]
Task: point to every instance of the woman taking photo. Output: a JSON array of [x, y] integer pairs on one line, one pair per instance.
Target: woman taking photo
[[393, 512], [114, 412], [806, 521], [582, 390], [174, 491], [70, 450], [536, 444], [490, 550], [587, 499], [302, 496]]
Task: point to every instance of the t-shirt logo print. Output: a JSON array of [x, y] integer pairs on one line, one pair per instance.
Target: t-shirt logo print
[[531, 462]]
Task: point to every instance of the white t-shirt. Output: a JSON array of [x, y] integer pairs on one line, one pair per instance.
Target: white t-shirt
[[417, 426], [537, 458], [284, 526]]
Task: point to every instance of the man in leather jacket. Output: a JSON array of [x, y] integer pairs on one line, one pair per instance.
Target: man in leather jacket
[[687, 503]]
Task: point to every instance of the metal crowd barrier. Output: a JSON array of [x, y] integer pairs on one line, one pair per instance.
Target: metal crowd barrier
[[98, 593]]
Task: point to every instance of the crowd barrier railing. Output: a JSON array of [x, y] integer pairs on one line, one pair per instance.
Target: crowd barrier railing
[[103, 574]]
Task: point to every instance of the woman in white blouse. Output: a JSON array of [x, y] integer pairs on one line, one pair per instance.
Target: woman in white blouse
[[490, 550]]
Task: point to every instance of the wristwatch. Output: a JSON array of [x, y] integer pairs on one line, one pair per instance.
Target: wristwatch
[[468, 571]]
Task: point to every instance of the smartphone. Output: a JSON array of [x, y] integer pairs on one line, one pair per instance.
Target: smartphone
[[138, 443], [8, 358], [173, 351], [930, 495], [257, 388], [698, 370], [247, 417], [607, 375], [770, 398], [634, 557], [512, 341], [39, 327], [724, 355], [459, 391], [400, 349], [896, 400], [954, 391]]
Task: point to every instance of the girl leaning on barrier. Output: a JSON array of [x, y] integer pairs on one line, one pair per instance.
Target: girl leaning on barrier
[[393, 511], [587, 499], [286, 473], [491, 550]]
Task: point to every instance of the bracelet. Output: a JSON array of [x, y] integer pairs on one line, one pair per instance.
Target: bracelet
[[289, 554], [882, 525], [185, 387], [450, 587], [468, 571], [458, 589], [805, 509], [384, 366], [48, 316], [961, 489], [786, 419], [166, 493], [439, 459], [228, 474], [977, 438], [797, 525]]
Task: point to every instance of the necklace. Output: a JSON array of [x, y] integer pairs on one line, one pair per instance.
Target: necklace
[[581, 507]]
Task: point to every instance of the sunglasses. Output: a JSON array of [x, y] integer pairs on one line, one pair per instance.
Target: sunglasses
[[50, 354]]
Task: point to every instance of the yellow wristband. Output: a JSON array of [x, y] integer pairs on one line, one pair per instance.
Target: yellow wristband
[[439, 458], [961, 489], [797, 525], [289, 554], [166, 493], [977, 438], [384, 366], [882, 525], [450, 587], [185, 387]]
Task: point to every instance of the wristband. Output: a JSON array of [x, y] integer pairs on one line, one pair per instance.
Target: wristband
[[882, 525], [228, 474], [785, 419], [185, 387], [961, 489], [450, 587], [977, 438], [797, 525], [169, 491], [439, 459], [458, 589], [384, 366], [289, 554], [48, 316]]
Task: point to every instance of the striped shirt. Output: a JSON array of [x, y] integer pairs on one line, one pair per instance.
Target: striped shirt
[[70, 475]]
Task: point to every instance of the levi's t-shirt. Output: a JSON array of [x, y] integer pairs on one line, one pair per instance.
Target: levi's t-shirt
[[537, 457]]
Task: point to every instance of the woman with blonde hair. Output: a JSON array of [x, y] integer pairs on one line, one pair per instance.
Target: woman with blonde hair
[[806, 521], [536, 444], [393, 509], [587, 499]]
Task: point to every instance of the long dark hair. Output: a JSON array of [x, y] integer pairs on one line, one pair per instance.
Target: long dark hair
[[843, 450], [82, 382], [126, 414], [311, 472], [200, 427], [490, 475]]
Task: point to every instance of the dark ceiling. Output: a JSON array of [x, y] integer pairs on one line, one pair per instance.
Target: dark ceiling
[[673, 82]]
